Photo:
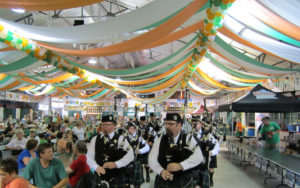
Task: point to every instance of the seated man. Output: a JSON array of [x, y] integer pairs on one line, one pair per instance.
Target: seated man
[[17, 144], [174, 155], [46, 171]]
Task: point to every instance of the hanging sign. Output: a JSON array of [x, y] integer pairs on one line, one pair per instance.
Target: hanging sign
[[264, 94]]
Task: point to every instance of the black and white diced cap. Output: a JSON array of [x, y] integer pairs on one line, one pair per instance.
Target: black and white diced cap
[[108, 118], [173, 117]]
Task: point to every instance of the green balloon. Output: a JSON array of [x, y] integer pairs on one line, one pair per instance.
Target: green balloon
[[28, 47], [9, 38], [217, 2], [213, 31], [19, 41], [223, 6], [217, 20]]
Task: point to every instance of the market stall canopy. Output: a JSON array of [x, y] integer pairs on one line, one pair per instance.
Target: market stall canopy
[[261, 99], [200, 110]]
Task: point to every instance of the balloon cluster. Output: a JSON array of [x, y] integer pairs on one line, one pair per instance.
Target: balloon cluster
[[212, 22], [20, 43]]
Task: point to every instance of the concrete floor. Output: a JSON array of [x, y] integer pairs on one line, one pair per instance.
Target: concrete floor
[[230, 174]]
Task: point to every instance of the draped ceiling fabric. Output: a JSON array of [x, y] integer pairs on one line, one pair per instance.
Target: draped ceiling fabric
[[45, 5], [29, 63], [108, 29]]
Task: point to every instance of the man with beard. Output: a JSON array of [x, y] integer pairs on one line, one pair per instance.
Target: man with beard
[[149, 136], [174, 155], [140, 147], [109, 153], [202, 135]]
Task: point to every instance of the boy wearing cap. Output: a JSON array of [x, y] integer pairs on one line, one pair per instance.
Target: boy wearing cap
[[32, 135], [109, 153], [140, 147], [174, 155]]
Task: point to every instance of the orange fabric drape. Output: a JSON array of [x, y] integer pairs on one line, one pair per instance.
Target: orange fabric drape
[[83, 87], [53, 80], [26, 88], [154, 78], [276, 22], [225, 31], [168, 83], [169, 38], [176, 35], [140, 41], [35, 5], [10, 86], [90, 95], [8, 49]]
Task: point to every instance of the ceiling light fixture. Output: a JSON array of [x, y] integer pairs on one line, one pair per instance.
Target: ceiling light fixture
[[92, 61], [18, 10]]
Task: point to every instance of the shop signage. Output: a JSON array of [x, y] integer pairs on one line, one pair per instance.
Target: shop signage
[[264, 94]]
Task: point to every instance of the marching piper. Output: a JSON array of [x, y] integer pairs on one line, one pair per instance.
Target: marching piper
[[109, 153], [202, 135], [149, 136], [140, 147], [173, 155]]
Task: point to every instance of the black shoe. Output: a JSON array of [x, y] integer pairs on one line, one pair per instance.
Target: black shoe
[[211, 184], [148, 179]]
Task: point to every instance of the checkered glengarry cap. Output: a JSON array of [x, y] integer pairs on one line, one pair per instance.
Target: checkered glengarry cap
[[173, 117], [195, 118], [109, 118], [142, 118]]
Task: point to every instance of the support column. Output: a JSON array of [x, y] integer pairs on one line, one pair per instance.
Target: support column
[[1, 113], [49, 106], [18, 113]]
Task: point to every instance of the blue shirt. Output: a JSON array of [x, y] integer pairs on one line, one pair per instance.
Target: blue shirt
[[22, 155]]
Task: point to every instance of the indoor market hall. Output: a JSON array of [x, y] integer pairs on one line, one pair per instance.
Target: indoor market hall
[[149, 94]]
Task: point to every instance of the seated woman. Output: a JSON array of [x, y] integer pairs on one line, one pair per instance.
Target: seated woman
[[27, 154], [79, 166], [9, 175]]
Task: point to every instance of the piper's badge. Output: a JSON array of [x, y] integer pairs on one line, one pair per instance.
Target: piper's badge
[[110, 118], [175, 118]]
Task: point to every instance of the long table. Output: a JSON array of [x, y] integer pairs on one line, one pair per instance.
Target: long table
[[277, 165]]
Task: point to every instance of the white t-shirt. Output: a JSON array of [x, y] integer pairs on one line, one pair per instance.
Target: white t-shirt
[[79, 133], [15, 143]]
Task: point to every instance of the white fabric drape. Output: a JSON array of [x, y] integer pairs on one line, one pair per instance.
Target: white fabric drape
[[288, 9], [283, 50], [245, 63], [91, 33]]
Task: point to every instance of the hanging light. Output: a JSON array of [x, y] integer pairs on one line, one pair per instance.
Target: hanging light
[[18, 10]]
